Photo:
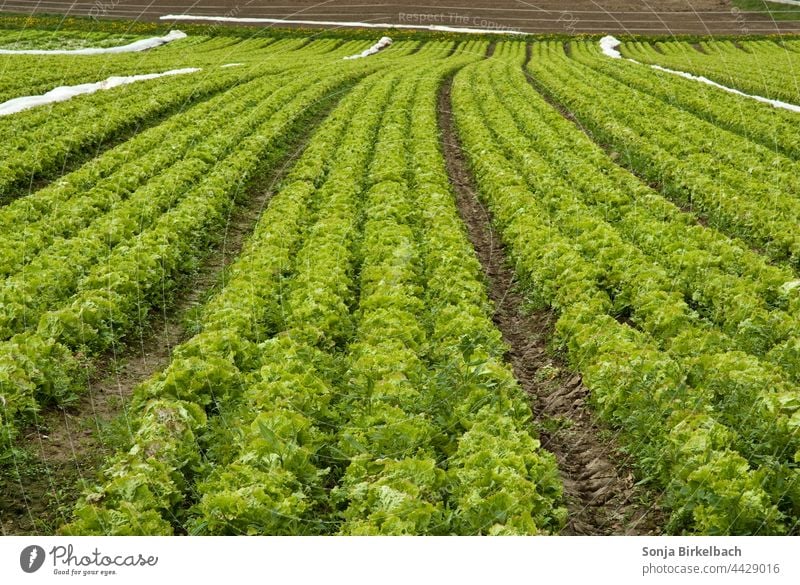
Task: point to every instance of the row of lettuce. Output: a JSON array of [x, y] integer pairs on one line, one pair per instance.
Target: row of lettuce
[[687, 340], [760, 67], [348, 378], [762, 308], [36, 74], [102, 247], [772, 128], [36, 144], [737, 185], [31, 38], [87, 258]]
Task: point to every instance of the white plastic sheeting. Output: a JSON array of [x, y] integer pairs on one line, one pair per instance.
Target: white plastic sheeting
[[758, 98], [376, 48], [134, 47], [61, 94], [378, 25], [609, 46]]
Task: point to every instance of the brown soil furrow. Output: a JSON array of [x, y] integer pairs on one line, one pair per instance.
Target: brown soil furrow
[[599, 486]]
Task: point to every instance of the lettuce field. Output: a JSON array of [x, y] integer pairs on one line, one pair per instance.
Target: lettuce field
[[282, 283]]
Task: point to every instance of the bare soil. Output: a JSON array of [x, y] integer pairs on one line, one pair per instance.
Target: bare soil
[[545, 16], [600, 489]]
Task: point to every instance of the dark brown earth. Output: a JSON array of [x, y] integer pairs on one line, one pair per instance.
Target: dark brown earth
[[551, 16], [598, 483], [39, 490]]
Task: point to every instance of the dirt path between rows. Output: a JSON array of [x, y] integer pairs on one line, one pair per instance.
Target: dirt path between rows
[[598, 483], [39, 488]]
